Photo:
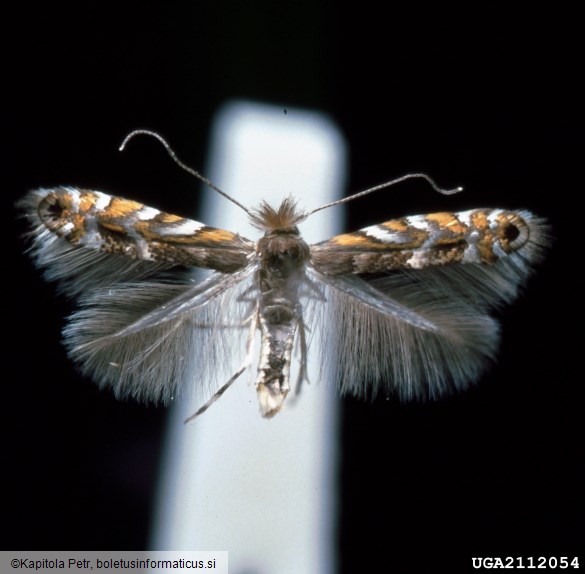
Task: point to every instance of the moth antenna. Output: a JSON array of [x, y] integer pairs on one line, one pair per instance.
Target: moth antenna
[[216, 396], [388, 184], [188, 169]]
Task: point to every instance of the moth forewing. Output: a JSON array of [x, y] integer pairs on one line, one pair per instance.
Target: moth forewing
[[145, 326], [444, 273]]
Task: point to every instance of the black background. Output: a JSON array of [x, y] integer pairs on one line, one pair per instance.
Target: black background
[[487, 100]]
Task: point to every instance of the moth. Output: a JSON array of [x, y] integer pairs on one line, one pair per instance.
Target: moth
[[404, 305]]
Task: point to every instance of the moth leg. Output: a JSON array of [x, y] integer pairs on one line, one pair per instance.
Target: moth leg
[[303, 371], [312, 290], [216, 326], [245, 365], [247, 295]]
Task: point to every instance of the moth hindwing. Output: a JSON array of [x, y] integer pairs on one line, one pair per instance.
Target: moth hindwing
[[405, 304]]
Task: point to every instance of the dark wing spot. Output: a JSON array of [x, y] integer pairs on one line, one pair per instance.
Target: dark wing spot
[[50, 208], [510, 232]]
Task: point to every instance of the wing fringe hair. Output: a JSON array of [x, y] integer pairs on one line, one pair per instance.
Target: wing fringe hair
[[440, 337], [121, 339], [149, 331], [144, 329]]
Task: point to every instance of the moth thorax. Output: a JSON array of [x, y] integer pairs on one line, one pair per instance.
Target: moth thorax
[[283, 254]]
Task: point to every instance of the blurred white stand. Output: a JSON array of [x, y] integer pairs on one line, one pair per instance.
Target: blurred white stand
[[264, 490]]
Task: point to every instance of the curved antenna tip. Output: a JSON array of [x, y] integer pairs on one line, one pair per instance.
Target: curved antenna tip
[[452, 191], [144, 132], [183, 166], [424, 176]]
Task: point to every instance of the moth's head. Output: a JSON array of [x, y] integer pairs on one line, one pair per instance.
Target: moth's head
[[283, 220]]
